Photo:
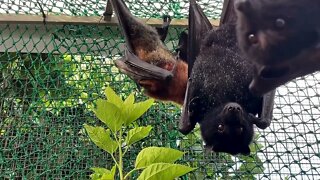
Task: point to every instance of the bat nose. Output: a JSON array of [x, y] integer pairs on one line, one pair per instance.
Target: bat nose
[[233, 107]]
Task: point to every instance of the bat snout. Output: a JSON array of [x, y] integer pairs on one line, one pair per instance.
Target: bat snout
[[233, 108]]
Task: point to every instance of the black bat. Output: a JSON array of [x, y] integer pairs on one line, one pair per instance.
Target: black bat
[[216, 93], [147, 61], [281, 37]]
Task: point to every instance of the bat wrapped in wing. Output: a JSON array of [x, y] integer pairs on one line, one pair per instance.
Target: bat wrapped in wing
[[147, 61]]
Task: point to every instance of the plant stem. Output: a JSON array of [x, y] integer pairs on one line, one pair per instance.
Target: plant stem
[[126, 176], [125, 150], [120, 155], [115, 161]]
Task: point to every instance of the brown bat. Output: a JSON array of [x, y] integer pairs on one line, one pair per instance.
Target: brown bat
[[281, 37], [147, 61]]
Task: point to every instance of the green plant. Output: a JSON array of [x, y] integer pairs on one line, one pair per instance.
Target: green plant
[[118, 116]]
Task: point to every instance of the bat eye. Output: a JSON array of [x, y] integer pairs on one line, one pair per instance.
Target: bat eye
[[253, 39], [221, 128], [280, 23]]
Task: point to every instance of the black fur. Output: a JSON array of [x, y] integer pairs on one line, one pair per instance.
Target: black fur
[[236, 133], [221, 76]]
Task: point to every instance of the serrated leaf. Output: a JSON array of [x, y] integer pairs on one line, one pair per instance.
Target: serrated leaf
[[165, 171], [137, 134], [101, 138], [113, 97], [138, 110], [152, 155], [109, 114]]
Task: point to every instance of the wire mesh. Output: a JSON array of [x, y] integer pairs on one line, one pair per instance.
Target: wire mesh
[[51, 75]]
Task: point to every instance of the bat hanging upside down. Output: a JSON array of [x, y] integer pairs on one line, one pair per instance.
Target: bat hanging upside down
[[281, 37], [147, 61], [212, 85]]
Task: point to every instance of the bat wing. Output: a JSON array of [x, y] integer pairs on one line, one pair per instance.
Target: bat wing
[[199, 26], [185, 124], [138, 69], [131, 64], [265, 116]]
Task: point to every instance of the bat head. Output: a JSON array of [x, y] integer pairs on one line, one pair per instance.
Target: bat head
[[272, 32], [276, 36], [227, 129]]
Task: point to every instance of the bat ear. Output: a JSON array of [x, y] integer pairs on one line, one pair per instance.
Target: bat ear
[[242, 6], [199, 25]]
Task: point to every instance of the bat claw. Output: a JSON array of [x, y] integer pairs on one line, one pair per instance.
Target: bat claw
[[163, 31], [166, 18]]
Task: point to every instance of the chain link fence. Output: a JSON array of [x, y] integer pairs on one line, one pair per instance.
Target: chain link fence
[[52, 74]]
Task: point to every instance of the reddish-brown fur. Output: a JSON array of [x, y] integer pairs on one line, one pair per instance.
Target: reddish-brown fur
[[170, 90], [173, 90]]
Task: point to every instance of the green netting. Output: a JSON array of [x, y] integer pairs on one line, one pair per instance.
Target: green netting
[[140, 8], [51, 75]]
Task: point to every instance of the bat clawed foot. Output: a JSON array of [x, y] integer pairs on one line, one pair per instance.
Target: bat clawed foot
[[163, 31], [260, 123], [263, 124], [166, 19]]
